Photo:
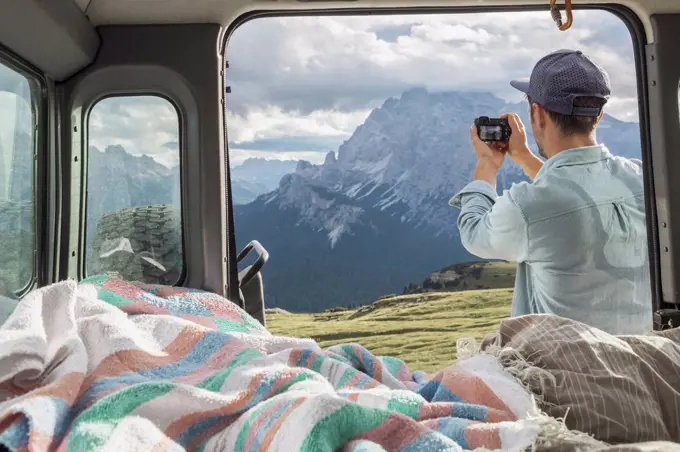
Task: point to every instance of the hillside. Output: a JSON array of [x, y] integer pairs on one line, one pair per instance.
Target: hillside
[[420, 329], [466, 276]]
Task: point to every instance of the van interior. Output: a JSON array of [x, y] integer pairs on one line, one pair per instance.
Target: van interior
[[278, 172]]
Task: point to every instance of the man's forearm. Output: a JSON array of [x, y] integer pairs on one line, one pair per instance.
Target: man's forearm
[[491, 226], [531, 165], [486, 172]]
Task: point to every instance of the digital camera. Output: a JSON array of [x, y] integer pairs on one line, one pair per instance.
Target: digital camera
[[493, 129]]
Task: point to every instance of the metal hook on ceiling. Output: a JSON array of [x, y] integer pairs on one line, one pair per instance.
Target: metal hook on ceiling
[[557, 15]]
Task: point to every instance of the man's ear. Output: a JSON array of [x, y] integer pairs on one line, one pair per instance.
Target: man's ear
[[541, 117]]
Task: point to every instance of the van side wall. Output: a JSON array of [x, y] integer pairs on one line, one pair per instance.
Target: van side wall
[[181, 63]]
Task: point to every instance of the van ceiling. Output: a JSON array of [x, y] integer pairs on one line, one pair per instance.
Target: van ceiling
[[102, 12], [59, 36]]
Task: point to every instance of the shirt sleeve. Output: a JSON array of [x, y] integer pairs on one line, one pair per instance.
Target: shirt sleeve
[[491, 226]]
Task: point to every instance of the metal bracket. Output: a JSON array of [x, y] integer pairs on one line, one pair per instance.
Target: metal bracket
[[665, 319]]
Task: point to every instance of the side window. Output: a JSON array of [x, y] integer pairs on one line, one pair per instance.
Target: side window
[[17, 170], [133, 224]]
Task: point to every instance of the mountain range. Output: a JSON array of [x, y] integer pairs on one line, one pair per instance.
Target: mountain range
[[375, 215], [371, 219], [17, 238], [256, 176], [141, 180]]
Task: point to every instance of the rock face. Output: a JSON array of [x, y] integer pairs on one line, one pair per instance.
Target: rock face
[[375, 214]]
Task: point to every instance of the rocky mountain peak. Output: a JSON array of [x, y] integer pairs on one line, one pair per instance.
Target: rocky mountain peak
[[303, 166], [330, 159], [413, 153]]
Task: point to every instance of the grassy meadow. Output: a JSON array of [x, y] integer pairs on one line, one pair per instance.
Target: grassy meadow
[[421, 329]]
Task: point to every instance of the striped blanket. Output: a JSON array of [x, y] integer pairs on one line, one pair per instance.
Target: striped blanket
[[109, 365]]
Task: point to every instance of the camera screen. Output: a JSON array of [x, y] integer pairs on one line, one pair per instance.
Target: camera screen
[[491, 133]]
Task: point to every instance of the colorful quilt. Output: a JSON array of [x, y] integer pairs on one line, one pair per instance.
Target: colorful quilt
[[106, 365]]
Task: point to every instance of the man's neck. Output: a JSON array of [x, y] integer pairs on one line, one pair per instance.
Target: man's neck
[[564, 144]]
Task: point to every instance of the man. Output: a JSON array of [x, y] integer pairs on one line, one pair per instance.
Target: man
[[578, 230]]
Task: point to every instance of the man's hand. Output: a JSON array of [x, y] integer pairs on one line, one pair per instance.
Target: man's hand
[[518, 148], [490, 158]]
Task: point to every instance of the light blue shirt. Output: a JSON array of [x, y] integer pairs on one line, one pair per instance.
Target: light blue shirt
[[578, 234]]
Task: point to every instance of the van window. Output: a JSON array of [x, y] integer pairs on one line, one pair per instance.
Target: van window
[[348, 136], [18, 118], [133, 223]]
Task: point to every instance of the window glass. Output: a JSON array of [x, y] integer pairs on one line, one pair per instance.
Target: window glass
[[17, 150], [348, 136], [134, 227]]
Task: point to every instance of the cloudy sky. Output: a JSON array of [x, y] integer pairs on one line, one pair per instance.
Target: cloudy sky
[[141, 124], [301, 85], [15, 118]]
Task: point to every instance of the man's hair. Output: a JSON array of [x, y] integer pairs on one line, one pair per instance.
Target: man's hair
[[574, 125]]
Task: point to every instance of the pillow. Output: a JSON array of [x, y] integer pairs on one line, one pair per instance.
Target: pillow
[[621, 389]]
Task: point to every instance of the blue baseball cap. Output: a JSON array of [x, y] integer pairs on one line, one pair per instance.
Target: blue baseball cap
[[560, 77]]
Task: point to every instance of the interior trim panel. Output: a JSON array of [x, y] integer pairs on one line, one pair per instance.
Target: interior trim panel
[[54, 36], [180, 63]]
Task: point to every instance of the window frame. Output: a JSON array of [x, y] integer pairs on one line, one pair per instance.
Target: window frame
[[39, 107], [638, 37], [85, 136]]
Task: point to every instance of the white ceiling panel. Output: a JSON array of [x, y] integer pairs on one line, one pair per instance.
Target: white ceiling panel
[[102, 12]]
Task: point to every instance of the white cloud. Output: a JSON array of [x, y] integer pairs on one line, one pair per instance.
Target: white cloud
[[16, 131], [623, 108], [442, 32], [8, 109], [15, 119], [272, 122], [141, 124], [309, 63], [238, 156]]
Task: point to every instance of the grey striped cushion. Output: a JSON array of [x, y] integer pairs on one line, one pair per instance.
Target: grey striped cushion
[[621, 389]]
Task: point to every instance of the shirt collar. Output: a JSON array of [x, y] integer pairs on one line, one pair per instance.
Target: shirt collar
[[575, 156]]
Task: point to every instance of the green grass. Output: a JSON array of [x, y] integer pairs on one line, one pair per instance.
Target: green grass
[[420, 329], [497, 275]]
